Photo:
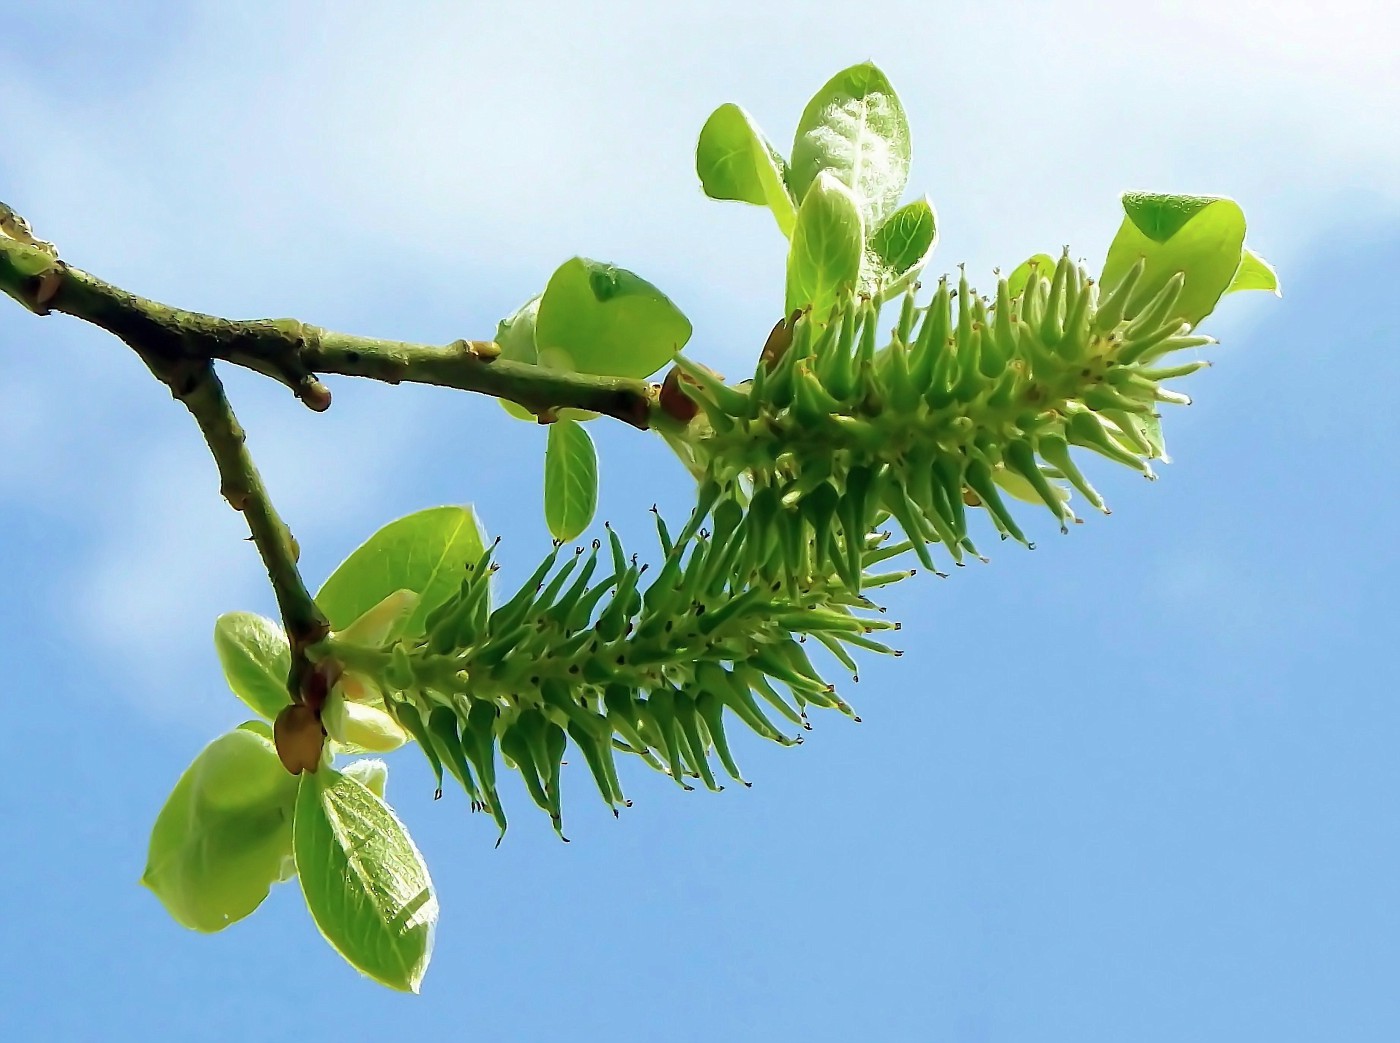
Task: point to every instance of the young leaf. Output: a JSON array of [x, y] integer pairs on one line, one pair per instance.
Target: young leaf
[[1200, 236], [735, 161], [827, 245], [516, 337], [365, 883], [426, 552], [224, 836], [256, 660], [596, 318], [855, 128], [1254, 273], [900, 248], [371, 773], [570, 480]]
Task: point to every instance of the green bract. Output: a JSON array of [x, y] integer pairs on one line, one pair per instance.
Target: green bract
[[359, 727], [224, 836], [364, 881]]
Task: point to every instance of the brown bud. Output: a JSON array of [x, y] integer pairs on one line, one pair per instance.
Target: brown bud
[[779, 340], [299, 738], [674, 402]]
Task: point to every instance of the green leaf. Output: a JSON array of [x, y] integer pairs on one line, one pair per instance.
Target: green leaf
[[855, 128], [1254, 273], [365, 883], [256, 659], [900, 248], [371, 773], [597, 318], [735, 161], [1016, 281], [426, 552], [824, 260], [1158, 216], [516, 337], [570, 480], [224, 836], [1200, 236]]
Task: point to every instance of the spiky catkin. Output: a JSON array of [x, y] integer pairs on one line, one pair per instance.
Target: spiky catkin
[[601, 653], [970, 399], [833, 438]]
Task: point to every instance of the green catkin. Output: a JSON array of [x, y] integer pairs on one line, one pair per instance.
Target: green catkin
[[933, 335], [688, 719], [711, 710], [406, 713], [1052, 327], [834, 438], [442, 729], [1113, 308]]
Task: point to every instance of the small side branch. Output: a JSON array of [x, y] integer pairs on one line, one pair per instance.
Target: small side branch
[[163, 337], [200, 389], [293, 352]]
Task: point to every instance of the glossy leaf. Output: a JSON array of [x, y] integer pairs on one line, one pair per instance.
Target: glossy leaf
[[224, 836], [1200, 236], [900, 248], [256, 659], [735, 161], [570, 480], [515, 335], [597, 318], [365, 883], [827, 247], [426, 552], [855, 128], [1254, 273]]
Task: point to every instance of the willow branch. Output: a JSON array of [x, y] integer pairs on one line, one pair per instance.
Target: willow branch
[[199, 388], [31, 273], [293, 352]]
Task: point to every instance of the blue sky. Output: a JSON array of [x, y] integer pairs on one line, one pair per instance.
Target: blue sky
[[1138, 784]]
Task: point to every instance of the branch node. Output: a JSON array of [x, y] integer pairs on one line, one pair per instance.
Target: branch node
[[47, 285], [314, 394], [237, 497], [484, 350]]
